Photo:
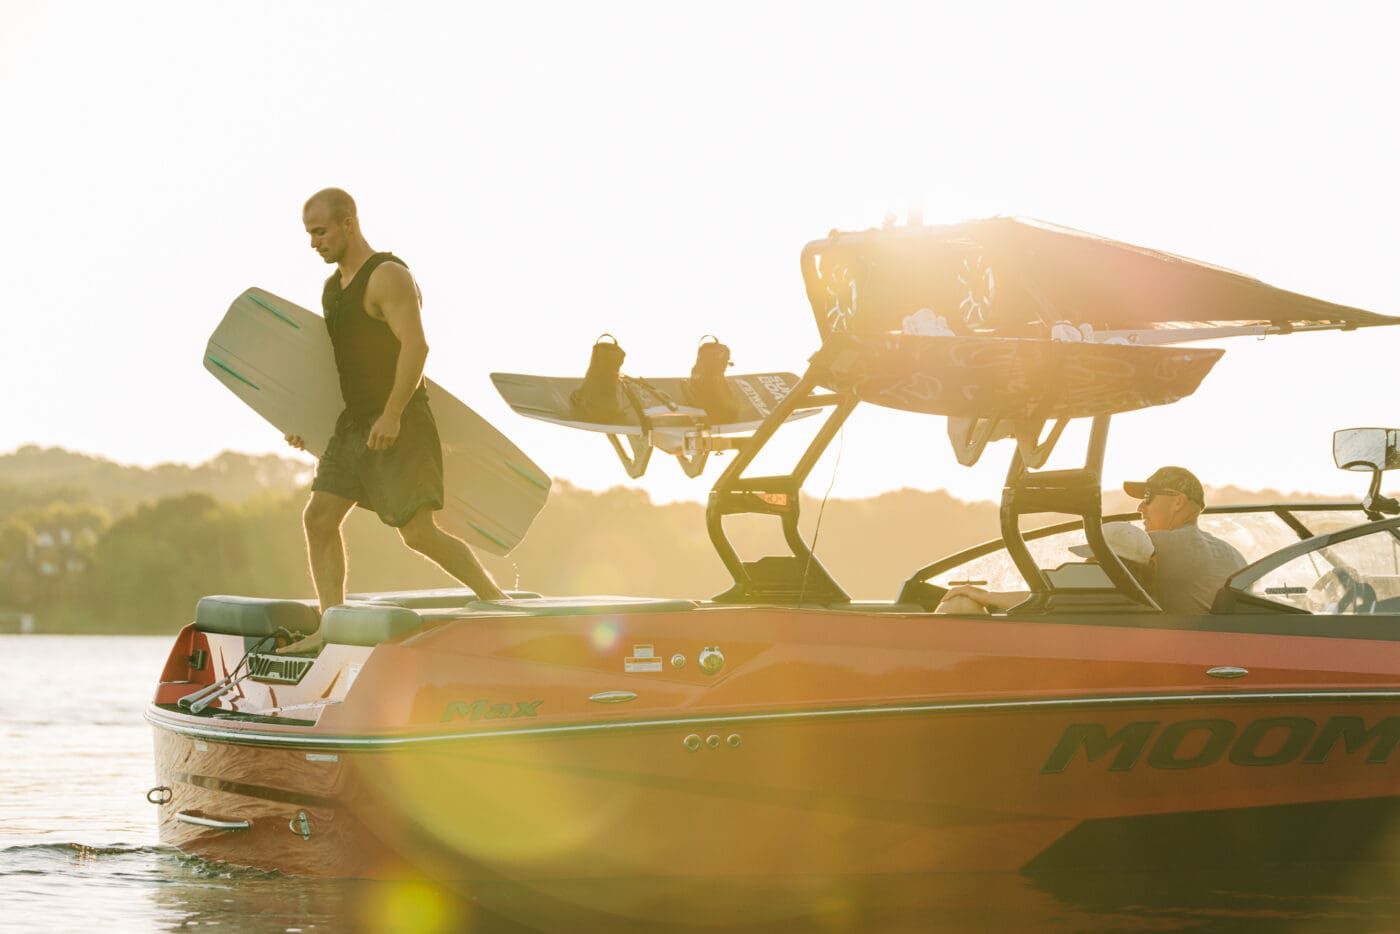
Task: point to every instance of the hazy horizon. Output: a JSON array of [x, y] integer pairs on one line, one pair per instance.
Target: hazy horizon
[[553, 172], [701, 486]]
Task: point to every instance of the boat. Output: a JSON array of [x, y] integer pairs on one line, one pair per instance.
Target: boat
[[755, 751]]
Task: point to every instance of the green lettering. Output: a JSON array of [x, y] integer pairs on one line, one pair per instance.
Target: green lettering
[[1246, 748], [454, 710], [472, 711], [1355, 737], [1096, 742], [1164, 751]]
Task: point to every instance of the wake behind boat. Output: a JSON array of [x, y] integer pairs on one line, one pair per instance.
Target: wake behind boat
[[747, 755]]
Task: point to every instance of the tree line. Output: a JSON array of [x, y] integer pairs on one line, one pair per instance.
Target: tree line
[[84, 548], [82, 552]]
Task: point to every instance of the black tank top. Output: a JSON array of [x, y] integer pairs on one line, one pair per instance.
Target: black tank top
[[366, 350]]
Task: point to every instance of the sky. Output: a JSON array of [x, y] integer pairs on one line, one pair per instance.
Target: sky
[[551, 171]]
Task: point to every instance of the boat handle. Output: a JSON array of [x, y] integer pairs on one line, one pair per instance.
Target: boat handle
[[189, 818], [300, 825], [1227, 672], [613, 697]]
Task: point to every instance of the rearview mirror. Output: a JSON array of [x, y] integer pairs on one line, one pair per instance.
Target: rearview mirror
[[1371, 449], [1366, 448]]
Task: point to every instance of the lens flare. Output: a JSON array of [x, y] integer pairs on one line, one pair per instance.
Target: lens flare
[[412, 908], [604, 635]]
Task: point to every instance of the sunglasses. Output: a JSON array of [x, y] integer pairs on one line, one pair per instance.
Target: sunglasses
[[1149, 495]]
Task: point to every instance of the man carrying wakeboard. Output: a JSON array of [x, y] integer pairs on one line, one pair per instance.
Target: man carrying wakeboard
[[385, 454]]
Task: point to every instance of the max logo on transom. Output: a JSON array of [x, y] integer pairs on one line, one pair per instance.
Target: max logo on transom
[[1193, 744], [485, 710]]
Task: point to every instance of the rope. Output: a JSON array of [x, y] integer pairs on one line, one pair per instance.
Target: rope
[[821, 510]]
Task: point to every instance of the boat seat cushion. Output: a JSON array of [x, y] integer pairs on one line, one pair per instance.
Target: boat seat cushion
[[254, 616], [369, 623]]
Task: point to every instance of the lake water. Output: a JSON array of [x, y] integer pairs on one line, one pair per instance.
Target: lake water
[[78, 848]]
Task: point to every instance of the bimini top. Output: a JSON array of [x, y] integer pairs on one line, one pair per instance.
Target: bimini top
[[1010, 277]]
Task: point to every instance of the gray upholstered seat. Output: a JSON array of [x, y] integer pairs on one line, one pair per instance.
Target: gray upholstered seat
[[254, 616], [369, 623]]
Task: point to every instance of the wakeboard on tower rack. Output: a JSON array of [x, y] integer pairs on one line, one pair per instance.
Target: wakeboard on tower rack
[[689, 419]]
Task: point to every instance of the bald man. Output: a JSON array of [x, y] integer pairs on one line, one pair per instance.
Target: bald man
[[385, 454]]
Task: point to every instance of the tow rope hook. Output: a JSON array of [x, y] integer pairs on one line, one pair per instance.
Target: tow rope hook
[[300, 825]]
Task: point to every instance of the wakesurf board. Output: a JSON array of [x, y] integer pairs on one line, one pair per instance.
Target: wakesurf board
[[276, 356]]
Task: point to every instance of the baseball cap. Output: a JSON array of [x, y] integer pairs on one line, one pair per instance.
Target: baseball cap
[[1128, 542], [1177, 479]]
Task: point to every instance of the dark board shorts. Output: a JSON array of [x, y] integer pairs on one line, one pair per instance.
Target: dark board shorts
[[394, 483]]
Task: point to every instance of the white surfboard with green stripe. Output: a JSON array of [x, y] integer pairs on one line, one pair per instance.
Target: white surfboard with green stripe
[[276, 356]]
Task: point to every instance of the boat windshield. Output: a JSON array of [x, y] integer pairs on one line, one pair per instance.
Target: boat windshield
[[1256, 531], [1341, 575]]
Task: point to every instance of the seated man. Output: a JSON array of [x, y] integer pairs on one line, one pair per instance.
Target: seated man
[[1130, 543], [1191, 565]]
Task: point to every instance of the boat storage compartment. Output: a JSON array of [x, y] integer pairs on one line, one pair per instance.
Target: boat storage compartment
[[254, 616]]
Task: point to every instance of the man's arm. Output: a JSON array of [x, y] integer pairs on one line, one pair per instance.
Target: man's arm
[[989, 600], [392, 296]]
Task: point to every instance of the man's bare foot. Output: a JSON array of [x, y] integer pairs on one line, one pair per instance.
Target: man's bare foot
[[311, 643]]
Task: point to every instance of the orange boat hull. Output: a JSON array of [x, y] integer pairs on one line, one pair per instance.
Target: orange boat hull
[[473, 751]]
